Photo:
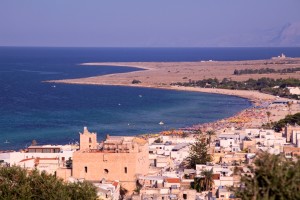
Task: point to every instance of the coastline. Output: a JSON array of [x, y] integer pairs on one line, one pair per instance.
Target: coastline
[[154, 76], [162, 74]]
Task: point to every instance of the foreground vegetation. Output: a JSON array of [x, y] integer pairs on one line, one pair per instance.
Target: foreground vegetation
[[17, 183], [277, 87], [272, 177]]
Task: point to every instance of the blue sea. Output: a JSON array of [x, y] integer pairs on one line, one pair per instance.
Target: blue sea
[[55, 113]]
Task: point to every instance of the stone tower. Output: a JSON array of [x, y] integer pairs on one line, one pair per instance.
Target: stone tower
[[88, 140]]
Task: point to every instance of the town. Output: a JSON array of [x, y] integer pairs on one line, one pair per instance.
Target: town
[[159, 166]]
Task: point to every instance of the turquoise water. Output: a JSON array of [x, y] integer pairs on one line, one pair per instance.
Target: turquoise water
[[48, 113]]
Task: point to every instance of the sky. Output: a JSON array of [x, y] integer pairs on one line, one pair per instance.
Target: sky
[[150, 23]]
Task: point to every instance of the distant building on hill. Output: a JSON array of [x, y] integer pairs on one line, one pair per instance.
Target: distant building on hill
[[282, 56], [294, 90], [116, 158]]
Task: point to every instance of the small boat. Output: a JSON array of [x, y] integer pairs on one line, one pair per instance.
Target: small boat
[[140, 96], [54, 86], [161, 123], [6, 142]]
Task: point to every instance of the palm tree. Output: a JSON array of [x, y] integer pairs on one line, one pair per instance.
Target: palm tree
[[198, 184], [210, 133], [268, 115], [205, 182], [208, 179], [289, 104], [198, 132]]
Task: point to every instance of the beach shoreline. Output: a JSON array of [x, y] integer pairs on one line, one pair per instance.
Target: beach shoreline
[[155, 76], [163, 74]]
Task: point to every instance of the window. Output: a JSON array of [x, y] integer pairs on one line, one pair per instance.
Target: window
[[184, 196], [125, 169], [39, 151], [90, 140], [105, 171], [56, 150], [85, 169], [46, 150]]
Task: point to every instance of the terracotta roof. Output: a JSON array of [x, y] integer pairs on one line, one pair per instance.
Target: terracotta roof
[[44, 147], [27, 159], [37, 160], [115, 184], [216, 176], [172, 180], [48, 158]]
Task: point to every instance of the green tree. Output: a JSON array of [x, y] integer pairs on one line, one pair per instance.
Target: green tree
[[198, 184], [158, 140], [82, 190], [290, 119], [210, 133], [208, 179], [69, 163], [134, 81], [205, 182], [198, 153], [16, 183], [123, 192], [265, 85], [273, 177], [198, 132]]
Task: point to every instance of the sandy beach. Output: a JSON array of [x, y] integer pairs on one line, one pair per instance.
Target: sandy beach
[[158, 74], [162, 74]]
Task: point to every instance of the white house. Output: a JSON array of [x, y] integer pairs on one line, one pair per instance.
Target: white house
[[294, 90]]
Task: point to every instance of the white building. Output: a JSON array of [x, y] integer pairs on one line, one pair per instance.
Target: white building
[[294, 90], [296, 138], [45, 157], [108, 191], [180, 152]]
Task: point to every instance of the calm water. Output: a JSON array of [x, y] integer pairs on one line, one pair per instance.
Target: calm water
[[48, 113]]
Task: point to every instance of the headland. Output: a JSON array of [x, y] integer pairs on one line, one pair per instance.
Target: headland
[[163, 74]]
